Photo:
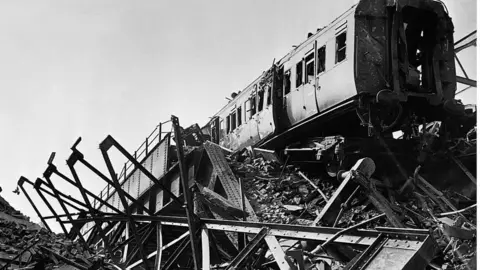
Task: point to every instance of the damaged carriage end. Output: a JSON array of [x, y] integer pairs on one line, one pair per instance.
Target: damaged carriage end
[[404, 56]]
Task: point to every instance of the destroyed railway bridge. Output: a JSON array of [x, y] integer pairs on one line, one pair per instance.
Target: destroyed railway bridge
[[183, 207], [177, 204]]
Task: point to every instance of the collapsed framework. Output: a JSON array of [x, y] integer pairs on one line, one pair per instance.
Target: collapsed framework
[[180, 202]]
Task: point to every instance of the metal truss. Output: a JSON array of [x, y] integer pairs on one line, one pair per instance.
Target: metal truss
[[464, 43], [182, 222]]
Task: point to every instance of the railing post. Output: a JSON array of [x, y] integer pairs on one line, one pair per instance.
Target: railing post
[[146, 146], [159, 132], [125, 172]]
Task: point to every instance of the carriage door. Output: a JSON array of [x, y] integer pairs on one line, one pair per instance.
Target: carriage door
[[294, 99], [309, 96]]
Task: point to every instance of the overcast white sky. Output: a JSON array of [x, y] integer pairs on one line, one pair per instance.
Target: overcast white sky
[[92, 68]]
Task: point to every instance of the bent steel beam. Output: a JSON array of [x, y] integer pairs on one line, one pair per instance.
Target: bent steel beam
[[65, 197], [52, 169], [78, 156], [110, 141], [37, 185], [467, 41], [75, 228], [248, 251], [122, 194], [191, 217], [417, 245], [139, 245], [20, 184], [176, 254]]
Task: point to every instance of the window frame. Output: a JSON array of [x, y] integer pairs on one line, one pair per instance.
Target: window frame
[[309, 54], [269, 95], [299, 75], [222, 127], [324, 47], [253, 95], [227, 122], [337, 49], [247, 109], [239, 116], [233, 118], [287, 74], [260, 100]]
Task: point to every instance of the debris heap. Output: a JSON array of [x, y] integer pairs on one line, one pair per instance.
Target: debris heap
[[27, 245], [282, 193]]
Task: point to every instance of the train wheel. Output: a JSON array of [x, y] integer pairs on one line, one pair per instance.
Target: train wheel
[[332, 168]]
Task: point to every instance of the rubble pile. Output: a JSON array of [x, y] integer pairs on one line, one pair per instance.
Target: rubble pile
[[278, 194], [27, 245], [285, 194]]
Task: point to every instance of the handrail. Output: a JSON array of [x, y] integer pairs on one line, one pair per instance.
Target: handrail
[[106, 192]]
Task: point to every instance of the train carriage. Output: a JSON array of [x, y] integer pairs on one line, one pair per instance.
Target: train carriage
[[384, 64]]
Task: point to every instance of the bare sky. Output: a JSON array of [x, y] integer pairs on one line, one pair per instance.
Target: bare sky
[[92, 68]]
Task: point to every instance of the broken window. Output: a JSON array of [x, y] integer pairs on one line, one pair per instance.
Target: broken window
[[299, 74], [239, 115], [286, 82], [321, 60], [310, 67], [269, 95], [341, 45], [260, 100], [227, 120]]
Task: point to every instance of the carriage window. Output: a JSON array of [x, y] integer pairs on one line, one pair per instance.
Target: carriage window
[[286, 81], [222, 125], [269, 95], [239, 115], [253, 109], [247, 110], [227, 120], [260, 100], [321, 60], [310, 69], [233, 118], [341, 45], [298, 81]]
